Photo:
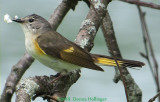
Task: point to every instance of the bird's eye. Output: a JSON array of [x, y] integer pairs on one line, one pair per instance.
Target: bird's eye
[[31, 20]]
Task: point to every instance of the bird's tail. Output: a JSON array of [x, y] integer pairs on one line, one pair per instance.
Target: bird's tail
[[110, 61]]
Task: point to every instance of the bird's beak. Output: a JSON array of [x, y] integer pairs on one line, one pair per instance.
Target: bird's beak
[[18, 20]]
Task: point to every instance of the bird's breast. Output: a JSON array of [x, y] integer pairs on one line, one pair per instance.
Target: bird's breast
[[35, 51]]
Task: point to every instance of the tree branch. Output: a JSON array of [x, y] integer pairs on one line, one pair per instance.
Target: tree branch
[[60, 12], [133, 92], [15, 75], [110, 41], [90, 25], [109, 35], [142, 3], [42, 86]]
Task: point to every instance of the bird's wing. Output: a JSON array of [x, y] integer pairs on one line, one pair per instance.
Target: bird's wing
[[54, 45]]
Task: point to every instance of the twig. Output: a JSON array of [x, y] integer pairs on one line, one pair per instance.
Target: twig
[[153, 98], [149, 49], [145, 40], [142, 3]]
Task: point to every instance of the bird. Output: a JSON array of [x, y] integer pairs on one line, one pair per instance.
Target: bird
[[58, 53]]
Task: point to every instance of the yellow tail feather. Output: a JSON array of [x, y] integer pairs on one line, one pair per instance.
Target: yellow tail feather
[[109, 61]]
